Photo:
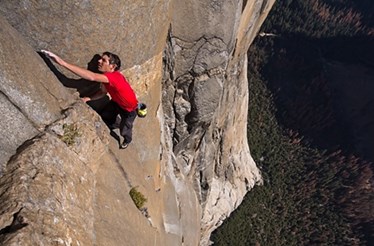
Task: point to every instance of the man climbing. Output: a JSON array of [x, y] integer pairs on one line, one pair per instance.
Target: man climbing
[[123, 99]]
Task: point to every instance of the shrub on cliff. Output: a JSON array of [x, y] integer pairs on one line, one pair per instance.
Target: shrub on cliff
[[138, 198]]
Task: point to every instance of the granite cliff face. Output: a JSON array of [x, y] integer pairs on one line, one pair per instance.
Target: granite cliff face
[[63, 180]]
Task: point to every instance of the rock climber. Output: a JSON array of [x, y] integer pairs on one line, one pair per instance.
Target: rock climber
[[123, 99]]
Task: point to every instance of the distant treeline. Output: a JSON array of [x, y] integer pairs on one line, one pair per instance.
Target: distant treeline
[[321, 18], [315, 192]]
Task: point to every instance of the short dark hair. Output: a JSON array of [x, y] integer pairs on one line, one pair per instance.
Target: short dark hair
[[113, 59]]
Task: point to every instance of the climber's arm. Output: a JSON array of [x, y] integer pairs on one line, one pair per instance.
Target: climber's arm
[[102, 92], [81, 72]]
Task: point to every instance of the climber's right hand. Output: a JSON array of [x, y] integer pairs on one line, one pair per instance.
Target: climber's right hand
[[54, 57]]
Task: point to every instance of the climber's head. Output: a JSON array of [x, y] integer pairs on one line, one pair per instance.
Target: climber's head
[[109, 62]]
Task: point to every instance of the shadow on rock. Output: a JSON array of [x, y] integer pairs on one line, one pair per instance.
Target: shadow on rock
[[84, 87]]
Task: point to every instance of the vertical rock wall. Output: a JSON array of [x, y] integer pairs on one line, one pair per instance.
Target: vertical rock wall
[[135, 30], [205, 98], [50, 192], [205, 163], [45, 184]]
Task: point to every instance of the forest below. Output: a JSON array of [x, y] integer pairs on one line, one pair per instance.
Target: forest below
[[310, 131]]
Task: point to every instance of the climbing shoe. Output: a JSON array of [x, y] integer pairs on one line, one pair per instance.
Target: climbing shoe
[[123, 145]]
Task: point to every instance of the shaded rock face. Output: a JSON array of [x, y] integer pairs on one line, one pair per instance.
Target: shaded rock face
[[29, 100], [57, 160]]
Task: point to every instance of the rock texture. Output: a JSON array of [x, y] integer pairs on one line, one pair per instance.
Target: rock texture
[[45, 186], [63, 180], [205, 98]]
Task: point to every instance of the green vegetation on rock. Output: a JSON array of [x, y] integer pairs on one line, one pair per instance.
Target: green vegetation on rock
[[138, 198], [71, 132]]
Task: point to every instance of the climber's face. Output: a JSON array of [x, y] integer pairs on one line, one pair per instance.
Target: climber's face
[[104, 64]]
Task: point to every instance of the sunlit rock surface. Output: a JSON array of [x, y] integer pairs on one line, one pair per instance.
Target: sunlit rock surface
[[63, 180]]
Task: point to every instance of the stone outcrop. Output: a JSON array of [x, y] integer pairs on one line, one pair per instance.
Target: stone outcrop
[[45, 185], [205, 98], [63, 180]]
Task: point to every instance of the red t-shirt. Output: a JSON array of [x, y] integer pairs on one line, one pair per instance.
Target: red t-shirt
[[120, 91]]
